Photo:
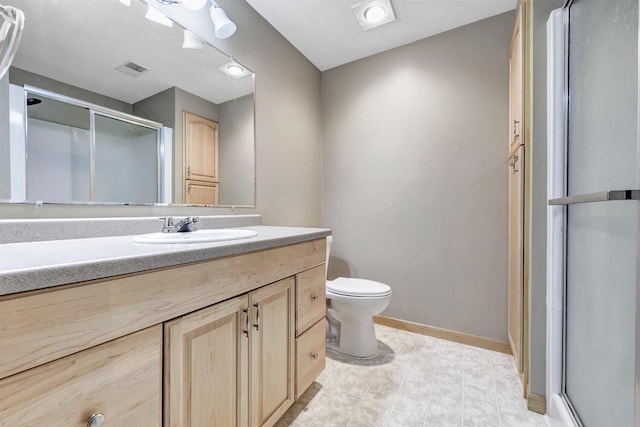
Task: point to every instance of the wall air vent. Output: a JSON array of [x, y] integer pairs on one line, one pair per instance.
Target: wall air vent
[[132, 69]]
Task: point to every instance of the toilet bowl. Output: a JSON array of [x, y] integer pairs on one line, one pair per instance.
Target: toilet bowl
[[352, 303]]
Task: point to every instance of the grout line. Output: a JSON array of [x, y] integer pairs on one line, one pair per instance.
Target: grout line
[[495, 390], [464, 397], [433, 380]]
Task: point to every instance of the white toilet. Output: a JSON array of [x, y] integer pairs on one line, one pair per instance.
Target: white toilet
[[351, 305]]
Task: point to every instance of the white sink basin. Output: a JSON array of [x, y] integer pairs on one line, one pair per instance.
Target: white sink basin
[[200, 236]]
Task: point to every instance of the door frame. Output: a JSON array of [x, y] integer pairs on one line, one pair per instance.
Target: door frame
[[558, 411]]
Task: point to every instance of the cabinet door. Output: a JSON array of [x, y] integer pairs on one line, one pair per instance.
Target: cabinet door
[[120, 379], [206, 379], [272, 352], [198, 193], [200, 148], [516, 256], [516, 82], [310, 356]]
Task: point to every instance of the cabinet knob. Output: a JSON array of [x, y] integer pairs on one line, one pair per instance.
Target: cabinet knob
[[314, 297], [314, 355], [95, 420]]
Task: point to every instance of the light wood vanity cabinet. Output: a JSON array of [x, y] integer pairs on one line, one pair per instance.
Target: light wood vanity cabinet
[[120, 380], [206, 370], [212, 380], [209, 344], [311, 308]]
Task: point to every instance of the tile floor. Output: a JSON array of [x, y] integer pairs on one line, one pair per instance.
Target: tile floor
[[415, 380]]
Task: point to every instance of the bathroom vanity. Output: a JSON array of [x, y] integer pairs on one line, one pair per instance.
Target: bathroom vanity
[[214, 334]]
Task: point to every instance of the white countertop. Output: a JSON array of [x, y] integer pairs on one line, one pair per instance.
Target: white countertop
[[39, 265]]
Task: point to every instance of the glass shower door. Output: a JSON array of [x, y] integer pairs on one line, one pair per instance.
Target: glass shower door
[[127, 163], [601, 240]]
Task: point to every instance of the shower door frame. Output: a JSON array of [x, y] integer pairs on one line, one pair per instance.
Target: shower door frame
[[163, 159]]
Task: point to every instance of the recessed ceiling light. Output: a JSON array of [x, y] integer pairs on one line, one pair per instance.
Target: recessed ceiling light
[[235, 70], [373, 13]]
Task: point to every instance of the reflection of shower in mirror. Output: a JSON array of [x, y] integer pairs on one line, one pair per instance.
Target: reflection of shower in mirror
[[11, 25]]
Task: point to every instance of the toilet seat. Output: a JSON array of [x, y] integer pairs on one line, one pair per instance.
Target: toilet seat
[[351, 287]]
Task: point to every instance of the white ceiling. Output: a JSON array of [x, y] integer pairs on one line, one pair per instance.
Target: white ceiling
[[80, 43], [327, 33]]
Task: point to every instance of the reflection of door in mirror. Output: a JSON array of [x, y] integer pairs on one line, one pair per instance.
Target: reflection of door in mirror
[[201, 140]]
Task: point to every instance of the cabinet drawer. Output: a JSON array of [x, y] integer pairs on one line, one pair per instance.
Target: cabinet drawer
[[310, 356], [120, 379], [311, 302]]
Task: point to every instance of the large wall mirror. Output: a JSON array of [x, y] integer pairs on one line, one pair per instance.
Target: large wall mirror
[[105, 106]]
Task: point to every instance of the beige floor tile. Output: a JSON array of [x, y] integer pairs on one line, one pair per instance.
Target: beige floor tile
[[480, 413], [415, 406], [444, 413], [330, 418], [354, 423], [371, 413], [398, 419], [416, 387], [479, 392], [301, 413], [415, 379], [343, 402]]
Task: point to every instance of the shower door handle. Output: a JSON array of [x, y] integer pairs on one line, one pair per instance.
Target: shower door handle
[[601, 196]]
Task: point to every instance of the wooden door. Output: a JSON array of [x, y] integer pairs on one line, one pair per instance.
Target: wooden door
[[200, 148], [272, 352], [516, 255], [206, 361], [198, 193]]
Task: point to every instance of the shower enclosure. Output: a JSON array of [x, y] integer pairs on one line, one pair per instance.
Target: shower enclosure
[[77, 152], [593, 215]]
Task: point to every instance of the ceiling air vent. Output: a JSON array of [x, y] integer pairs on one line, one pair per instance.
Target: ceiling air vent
[[131, 68]]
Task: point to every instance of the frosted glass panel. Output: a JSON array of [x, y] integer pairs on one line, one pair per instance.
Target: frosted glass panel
[[601, 280], [126, 162], [57, 151], [601, 237]]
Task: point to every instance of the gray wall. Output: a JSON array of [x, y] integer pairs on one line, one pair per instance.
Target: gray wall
[[159, 107], [5, 172], [288, 133], [21, 77], [237, 153], [415, 175], [540, 10]]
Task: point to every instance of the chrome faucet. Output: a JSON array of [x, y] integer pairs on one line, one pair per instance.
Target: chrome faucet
[[184, 225]]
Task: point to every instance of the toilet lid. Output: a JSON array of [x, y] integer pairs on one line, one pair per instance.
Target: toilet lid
[[357, 287]]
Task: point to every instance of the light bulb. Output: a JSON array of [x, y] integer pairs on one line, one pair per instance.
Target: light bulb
[[194, 4], [156, 16], [191, 41], [224, 27], [375, 14]]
